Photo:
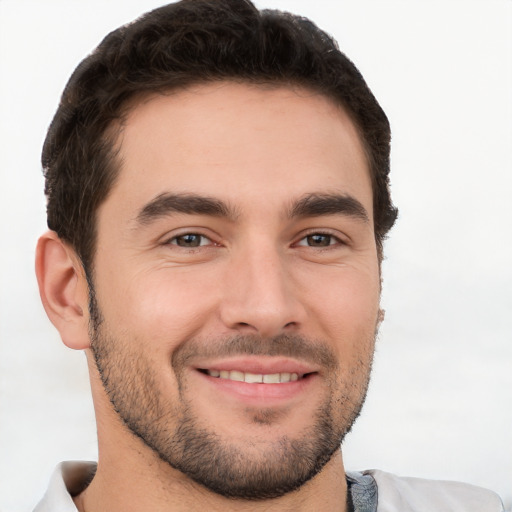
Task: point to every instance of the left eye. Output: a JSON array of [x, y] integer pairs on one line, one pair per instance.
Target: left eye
[[190, 240], [319, 240]]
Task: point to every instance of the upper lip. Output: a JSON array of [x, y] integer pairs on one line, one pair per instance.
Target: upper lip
[[258, 365]]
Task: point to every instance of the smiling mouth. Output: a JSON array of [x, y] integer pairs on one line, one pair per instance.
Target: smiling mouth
[[255, 378]]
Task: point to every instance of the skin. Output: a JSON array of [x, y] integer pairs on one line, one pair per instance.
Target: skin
[[255, 273]]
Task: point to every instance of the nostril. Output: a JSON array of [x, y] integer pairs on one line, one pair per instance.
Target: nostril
[[244, 326]]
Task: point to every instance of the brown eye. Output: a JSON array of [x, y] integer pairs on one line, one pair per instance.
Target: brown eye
[[319, 240], [190, 240]]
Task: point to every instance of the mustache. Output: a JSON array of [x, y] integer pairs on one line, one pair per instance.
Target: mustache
[[284, 345]]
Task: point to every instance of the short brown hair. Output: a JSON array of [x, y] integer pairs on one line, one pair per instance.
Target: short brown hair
[[178, 45]]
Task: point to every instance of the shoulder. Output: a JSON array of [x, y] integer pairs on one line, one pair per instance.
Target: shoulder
[[404, 494], [68, 479]]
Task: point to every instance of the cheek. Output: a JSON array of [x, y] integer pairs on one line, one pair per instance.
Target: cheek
[[346, 303], [161, 307]]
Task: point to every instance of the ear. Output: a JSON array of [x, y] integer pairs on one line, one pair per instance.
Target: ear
[[63, 290]]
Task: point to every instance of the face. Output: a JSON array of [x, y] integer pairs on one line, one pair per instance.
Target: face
[[236, 284]]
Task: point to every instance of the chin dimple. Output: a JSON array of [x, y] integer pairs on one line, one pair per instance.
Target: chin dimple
[[254, 378]]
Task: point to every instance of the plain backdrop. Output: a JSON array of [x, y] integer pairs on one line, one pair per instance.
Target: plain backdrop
[[440, 403]]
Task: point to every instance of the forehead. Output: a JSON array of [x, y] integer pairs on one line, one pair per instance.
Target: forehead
[[238, 142]]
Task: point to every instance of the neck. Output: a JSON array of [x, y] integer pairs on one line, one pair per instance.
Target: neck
[[120, 484]]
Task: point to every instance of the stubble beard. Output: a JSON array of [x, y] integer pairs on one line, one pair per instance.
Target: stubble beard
[[177, 436]]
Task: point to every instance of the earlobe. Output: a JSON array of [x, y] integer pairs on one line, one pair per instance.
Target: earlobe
[[63, 290]]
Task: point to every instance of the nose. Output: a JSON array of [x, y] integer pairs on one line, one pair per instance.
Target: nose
[[260, 294]]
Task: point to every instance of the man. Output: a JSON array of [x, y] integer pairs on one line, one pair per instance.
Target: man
[[217, 183]]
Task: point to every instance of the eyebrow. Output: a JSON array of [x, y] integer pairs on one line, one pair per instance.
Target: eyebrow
[[315, 205], [311, 205], [167, 203]]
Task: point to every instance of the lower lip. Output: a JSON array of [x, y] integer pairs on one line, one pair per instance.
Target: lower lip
[[256, 392]]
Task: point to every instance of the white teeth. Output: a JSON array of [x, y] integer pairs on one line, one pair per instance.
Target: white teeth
[[234, 375], [272, 378], [254, 378]]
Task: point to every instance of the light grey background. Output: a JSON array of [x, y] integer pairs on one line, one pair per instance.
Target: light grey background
[[440, 404]]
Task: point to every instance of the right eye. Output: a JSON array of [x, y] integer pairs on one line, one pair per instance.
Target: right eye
[[190, 240]]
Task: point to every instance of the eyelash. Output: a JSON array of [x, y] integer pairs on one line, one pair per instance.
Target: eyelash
[[332, 238], [174, 240]]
